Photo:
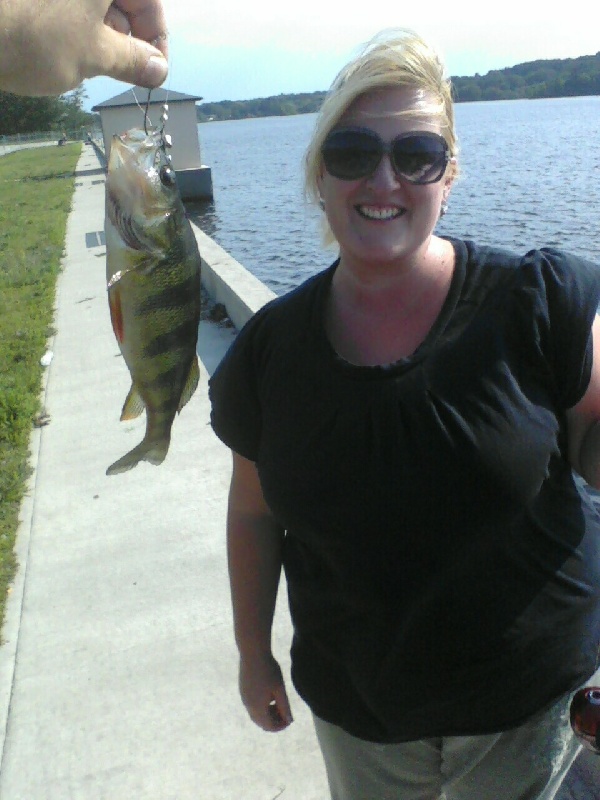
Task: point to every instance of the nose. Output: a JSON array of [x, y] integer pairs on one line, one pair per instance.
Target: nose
[[385, 175]]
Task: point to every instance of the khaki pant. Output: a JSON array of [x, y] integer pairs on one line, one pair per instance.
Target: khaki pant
[[526, 763]]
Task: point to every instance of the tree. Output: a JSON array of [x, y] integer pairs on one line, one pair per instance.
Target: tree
[[73, 115], [26, 114], [34, 114]]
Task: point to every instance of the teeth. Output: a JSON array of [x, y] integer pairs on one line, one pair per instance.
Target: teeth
[[377, 212]]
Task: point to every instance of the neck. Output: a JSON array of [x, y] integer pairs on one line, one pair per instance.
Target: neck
[[372, 288], [382, 315]]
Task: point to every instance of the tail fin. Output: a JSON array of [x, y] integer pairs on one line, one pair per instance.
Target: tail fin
[[153, 451]]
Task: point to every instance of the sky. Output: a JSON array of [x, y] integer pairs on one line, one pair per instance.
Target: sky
[[236, 50]]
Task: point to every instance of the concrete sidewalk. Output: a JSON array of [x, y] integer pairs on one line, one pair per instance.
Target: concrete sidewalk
[[118, 676]]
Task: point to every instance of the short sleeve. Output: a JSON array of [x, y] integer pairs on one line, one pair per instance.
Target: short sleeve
[[572, 293], [233, 392]]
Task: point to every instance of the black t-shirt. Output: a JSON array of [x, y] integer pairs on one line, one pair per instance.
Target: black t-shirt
[[443, 570]]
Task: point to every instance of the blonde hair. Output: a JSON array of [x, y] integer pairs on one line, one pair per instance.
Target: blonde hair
[[395, 58]]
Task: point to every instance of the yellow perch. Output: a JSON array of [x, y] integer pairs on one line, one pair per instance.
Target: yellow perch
[[153, 277]]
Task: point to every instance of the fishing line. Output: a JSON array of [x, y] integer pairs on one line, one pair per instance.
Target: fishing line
[[165, 138], [143, 110], [147, 112]]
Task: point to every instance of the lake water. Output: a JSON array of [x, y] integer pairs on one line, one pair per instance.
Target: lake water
[[530, 172]]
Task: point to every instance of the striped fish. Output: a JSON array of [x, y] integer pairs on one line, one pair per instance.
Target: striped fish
[[153, 278]]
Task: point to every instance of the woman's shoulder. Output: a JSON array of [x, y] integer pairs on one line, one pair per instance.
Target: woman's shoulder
[[298, 306], [547, 268]]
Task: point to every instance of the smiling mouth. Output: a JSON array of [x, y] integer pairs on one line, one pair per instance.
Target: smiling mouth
[[380, 213]]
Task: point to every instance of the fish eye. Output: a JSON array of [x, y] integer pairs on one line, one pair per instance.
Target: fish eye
[[167, 176]]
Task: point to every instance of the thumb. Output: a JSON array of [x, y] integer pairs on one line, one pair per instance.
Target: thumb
[[282, 704], [130, 60]]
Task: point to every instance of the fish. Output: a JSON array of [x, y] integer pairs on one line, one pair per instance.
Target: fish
[[153, 273]]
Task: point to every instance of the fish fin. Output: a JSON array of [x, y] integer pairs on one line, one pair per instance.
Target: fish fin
[[190, 385], [153, 451], [116, 313], [133, 405]]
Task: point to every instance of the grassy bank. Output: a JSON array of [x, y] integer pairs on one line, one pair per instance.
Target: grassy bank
[[36, 187]]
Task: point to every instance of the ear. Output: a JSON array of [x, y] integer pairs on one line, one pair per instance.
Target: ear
[[447, 188], [450, 179], [320, 188], [320, 182]]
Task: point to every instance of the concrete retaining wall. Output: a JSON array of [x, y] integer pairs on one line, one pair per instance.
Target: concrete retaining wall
[[228, 282]]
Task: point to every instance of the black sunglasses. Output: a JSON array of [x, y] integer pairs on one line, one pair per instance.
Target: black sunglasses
[[352, 153]]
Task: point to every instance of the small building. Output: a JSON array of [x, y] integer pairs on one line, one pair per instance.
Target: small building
[[126, 111]]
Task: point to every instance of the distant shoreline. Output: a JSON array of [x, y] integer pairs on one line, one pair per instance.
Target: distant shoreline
[[457, 102], [533, 80]]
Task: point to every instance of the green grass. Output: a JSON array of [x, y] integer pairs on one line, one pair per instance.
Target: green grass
[[36, 188]]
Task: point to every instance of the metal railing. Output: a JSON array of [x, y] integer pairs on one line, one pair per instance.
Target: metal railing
[[21, 141], [44, 137]]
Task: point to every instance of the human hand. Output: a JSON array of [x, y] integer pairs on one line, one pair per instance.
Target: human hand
[[48, 48], [263, 693]]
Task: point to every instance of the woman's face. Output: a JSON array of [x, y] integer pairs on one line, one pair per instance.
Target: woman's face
[[383, 218]]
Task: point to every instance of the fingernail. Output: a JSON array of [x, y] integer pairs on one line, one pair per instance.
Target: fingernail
[[155, 72]]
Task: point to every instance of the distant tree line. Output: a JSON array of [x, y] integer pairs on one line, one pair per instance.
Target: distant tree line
[[282, 105], [38, 114], [569, 77]]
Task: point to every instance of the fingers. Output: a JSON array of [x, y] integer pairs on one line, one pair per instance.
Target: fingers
[[281, 704], [147, 21], [271, 717], [52, 52], [117, 20], [129, 59], [134, 47]]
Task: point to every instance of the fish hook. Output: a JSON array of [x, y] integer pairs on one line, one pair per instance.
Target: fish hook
[[165, 139]]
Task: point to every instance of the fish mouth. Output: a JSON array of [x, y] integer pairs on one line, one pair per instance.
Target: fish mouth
[[380, 213], [135, 199], [137, 144]]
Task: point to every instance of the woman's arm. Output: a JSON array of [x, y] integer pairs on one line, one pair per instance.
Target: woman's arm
[[584, 423], [254, 542]]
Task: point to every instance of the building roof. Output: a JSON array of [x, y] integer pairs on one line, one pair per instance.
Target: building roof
[[138, 95]]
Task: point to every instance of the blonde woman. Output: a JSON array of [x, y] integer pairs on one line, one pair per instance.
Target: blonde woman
[[404, 427]]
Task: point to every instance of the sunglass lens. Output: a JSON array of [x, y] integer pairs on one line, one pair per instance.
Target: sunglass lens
[[350, 155], [420, 158]]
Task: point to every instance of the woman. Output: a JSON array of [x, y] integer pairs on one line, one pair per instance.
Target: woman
[[403, 428]]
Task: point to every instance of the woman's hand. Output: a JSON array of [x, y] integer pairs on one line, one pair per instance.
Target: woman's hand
[[263, 693], [48, 48]]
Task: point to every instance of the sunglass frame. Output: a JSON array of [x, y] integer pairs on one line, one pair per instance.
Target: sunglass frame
[[385, 148]]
